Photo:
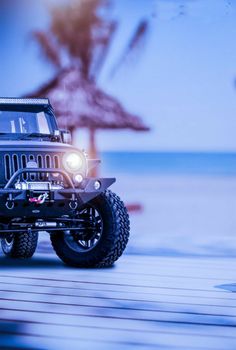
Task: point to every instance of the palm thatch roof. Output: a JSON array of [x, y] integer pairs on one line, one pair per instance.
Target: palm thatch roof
[[80, 103]]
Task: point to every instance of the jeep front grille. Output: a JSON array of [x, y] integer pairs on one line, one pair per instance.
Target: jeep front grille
[[14, 162]]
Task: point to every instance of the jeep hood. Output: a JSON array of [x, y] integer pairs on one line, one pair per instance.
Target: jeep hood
[[29, 145]]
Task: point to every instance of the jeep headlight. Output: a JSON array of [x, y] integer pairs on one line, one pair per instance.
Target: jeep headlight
[[74, 162]]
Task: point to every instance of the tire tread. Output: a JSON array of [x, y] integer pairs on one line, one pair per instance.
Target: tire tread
[[24, 245], [122, 229], [116, 239]]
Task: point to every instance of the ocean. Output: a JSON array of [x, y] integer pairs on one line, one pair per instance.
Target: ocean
[[169, 163]]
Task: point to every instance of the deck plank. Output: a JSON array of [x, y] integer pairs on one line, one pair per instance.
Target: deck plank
[[144, 302]]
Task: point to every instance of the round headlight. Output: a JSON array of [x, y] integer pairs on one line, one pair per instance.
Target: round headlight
[[97, 185], [78, 178], [73, 161]]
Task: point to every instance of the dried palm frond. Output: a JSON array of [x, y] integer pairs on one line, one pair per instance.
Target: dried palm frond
[[135, 43], [103, 50], [83, 104], [48, 47], [83, 31], [77, 42]]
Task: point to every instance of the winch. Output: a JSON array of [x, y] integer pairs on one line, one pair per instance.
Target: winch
[[36, 185]]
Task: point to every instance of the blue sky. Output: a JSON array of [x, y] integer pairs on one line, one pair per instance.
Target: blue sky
[[182, 83]]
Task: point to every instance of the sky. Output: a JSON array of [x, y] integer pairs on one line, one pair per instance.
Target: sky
[[181, 82]]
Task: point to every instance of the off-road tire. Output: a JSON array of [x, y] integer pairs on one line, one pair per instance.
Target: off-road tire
[[23, 245], [113, 241]]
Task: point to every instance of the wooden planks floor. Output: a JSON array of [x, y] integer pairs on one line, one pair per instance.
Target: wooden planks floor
[[141, 303]]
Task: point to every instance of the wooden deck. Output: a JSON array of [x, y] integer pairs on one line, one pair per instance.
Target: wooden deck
[[141, 303]]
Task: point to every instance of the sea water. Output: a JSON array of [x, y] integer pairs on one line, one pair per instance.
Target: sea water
[[169, 163]]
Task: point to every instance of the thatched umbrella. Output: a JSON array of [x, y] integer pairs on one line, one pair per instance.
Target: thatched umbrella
[[79, 103]]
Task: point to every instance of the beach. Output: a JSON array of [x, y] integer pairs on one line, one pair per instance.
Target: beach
[[182, 215]]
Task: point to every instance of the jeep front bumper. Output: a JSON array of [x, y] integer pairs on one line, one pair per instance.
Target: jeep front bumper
[[16, 202]]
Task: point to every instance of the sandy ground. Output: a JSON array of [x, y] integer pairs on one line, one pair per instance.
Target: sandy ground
[[182, 215]]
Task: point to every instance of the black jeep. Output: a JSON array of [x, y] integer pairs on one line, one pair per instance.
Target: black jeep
[[45, 186]]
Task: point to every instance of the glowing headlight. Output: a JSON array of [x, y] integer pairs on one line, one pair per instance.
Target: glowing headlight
[[73, 161]]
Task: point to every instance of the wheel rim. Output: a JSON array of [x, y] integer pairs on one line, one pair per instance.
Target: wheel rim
[[7, 243], [93, 224], [9, 240]]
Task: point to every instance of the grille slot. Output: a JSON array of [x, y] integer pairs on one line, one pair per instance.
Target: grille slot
[[7, 161], [14, 162], [23, 165]]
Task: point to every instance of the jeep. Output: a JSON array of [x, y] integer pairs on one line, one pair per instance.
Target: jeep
[[45, 185]]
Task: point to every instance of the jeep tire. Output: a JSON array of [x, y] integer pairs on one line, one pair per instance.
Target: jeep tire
[[114, 234], [20, 245]]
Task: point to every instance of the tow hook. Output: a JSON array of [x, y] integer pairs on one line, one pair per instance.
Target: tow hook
[[10, 202], [73, 203], [10, 205], [40, 199]]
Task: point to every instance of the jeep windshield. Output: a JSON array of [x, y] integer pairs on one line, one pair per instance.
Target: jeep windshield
[[21, 124]]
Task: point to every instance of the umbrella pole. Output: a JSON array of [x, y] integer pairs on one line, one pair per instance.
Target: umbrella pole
[[93, 150]]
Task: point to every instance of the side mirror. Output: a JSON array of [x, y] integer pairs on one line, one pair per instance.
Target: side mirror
[[66, 136]]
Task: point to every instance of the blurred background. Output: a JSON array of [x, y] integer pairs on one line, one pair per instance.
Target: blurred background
[[148, 86]]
